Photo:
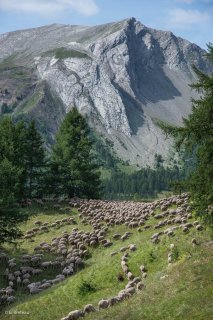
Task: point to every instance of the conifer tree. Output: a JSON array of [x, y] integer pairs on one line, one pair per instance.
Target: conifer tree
[[34, 161], [10, 215], [73, 163], [196, 136], [21, 168], [10, 180]]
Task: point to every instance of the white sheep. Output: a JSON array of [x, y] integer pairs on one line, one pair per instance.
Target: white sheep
[[103, 304], [76, 314], [113, 301], [89, 308], [140, 286]]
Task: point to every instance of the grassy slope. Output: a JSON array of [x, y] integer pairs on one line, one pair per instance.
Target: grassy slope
[[184, 294]]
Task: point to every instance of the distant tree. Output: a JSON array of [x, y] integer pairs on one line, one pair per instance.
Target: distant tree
[[196, 136], [4, 108], [74, 169], [158, 160]]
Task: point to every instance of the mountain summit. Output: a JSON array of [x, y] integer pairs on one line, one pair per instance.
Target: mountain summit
[[123, 76]]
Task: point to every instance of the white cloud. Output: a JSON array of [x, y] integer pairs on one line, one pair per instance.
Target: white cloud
[[182, 18], [185, 1], [194, 1], [47, 7]]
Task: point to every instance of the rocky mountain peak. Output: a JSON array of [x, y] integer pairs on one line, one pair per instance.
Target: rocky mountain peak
[[123, 76]]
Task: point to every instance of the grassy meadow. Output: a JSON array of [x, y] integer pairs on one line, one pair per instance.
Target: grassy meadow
[[184, 293]]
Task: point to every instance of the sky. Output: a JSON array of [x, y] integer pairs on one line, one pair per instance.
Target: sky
[[189, 19]]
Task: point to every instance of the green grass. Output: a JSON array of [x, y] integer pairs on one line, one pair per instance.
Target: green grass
[[64, 53], [32, 100], [185, 294]]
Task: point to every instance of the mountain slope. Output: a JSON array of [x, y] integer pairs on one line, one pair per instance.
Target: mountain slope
[[123, 76]]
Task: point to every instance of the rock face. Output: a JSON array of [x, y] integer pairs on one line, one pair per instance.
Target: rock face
[[123, 76]]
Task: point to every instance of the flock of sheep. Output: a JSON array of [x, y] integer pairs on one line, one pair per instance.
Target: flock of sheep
[[71, 249], [134, 285]]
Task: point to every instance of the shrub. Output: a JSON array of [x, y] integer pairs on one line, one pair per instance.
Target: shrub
[[86, 287]]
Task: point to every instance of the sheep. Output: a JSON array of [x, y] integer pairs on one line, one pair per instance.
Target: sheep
[[9, 291], [129, 285], [17, 273], [113, 301], [124, 258], [18, 280], [35, 260], [140, 286], [169, 259], [103, 304], [3, 257], [136, 280], [132, 247], [194, 241], [123, 294], [38, 223], [130, 290], [35, 290], [142, 268], [130, 276], [46, 264], [113, 253], [155, 240], [26, 281], [89, 308], [10, 299], [76, 314], [55, 281], [26, 269], [36, 271], [11, 265], [67, 271], [116, 236], [199, 227], [45, 286]]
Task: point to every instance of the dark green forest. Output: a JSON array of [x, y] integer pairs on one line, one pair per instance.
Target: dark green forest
[[142, 184]]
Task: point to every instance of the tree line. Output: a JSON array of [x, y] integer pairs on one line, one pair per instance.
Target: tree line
[[144, 183]]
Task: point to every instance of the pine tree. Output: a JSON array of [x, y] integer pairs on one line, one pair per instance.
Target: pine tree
[[10, 214], [196, 136], [21, 163], [73, 164], [34, 161], [10, 181]]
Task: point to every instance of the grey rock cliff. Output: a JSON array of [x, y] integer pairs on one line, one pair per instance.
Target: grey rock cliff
[[123, 76]]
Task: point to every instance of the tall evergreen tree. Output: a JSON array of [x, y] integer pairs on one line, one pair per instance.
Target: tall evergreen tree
[[73, 164], [34, 161], [10, 214], [10, 178], [21, 163], [196, 136]]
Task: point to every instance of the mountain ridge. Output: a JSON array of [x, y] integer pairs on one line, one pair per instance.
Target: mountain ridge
[[123, 76]]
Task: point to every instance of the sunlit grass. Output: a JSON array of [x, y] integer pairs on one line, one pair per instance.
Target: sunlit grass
[[184, 294]]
